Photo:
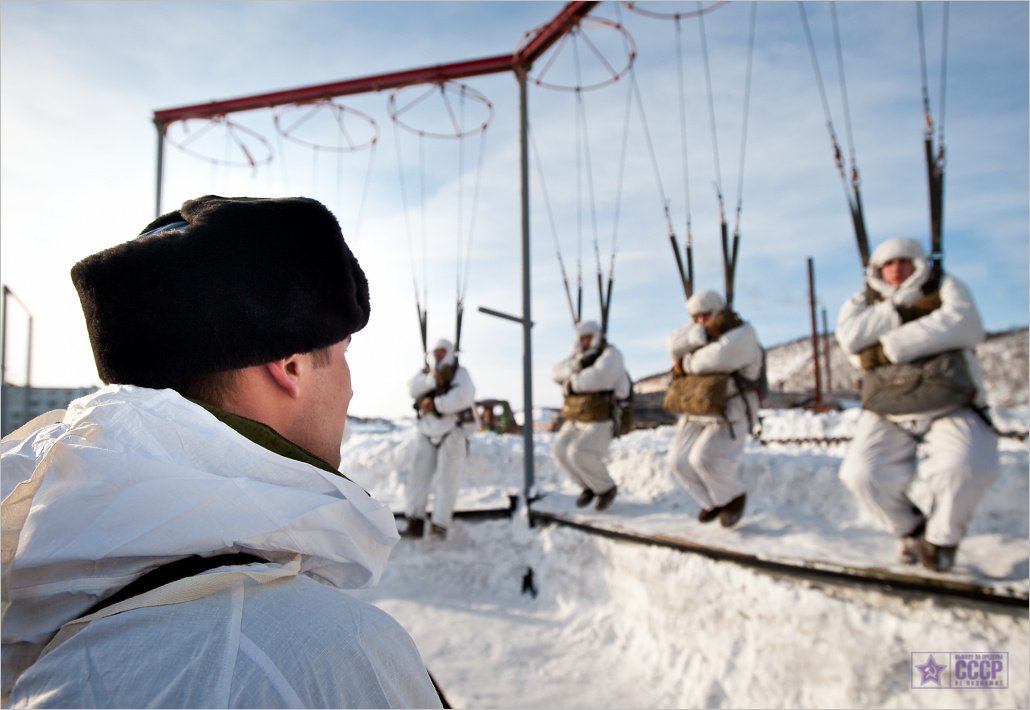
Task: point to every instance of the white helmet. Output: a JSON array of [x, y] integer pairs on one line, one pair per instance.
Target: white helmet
[[897, 248], [448, 357], [705, 301], [591, 328]]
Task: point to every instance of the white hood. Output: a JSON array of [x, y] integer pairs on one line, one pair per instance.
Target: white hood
[[133, 478]]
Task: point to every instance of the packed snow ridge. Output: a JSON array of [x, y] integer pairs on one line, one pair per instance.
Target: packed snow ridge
[[616, 624]]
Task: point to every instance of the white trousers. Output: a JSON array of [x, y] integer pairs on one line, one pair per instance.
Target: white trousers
[[440, 465], [960, 462], [581, 449], [705, 458]]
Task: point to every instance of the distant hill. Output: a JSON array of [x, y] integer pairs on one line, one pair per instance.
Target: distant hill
[[1004, 358]]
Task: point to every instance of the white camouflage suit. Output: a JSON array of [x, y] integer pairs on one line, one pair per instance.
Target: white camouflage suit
[[581, 448], [706, 450], [961, 451], [441, 440], [153, 477]]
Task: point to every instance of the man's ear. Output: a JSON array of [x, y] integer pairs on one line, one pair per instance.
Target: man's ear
[[286, 373]]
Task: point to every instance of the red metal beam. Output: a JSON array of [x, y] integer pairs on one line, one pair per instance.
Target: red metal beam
[[550, 33], [378, 82], [544, 38]]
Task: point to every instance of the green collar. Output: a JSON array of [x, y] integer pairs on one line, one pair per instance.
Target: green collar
[[267, 438]]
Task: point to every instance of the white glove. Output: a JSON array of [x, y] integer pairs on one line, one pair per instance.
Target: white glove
[[907, 294], [697, 337]]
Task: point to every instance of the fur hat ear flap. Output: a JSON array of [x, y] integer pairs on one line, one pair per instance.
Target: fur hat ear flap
[[220, 284]]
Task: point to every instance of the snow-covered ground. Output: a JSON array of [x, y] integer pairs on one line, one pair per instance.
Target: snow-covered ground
[[616, 624]]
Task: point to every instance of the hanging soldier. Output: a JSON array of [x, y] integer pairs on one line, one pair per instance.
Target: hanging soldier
[[444, 396], [595, 384], [912, 330], [716, 366]]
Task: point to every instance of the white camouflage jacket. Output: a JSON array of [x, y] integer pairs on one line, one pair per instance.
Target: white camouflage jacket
[[606, 373], [129, 479], [460, 396], [737, 350], [955, 325]]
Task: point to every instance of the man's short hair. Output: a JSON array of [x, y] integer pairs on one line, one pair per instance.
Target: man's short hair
[[217, 388]]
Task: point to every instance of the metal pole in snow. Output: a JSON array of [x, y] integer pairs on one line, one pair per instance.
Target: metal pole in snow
[[815, 333], [160, 165], [527, 321]]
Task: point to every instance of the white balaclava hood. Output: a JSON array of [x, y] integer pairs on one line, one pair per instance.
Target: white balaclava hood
[[448, 357], [890, 250], [591, 328], [705, 301]]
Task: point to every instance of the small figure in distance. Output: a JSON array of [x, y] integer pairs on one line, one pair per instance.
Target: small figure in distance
[[444, 396], [716, 365], [593, 379]]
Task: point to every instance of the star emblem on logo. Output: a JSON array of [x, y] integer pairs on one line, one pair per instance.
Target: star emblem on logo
[[931, 671]]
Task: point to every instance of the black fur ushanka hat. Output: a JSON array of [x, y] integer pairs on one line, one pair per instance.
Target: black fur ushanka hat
[[222, 283]]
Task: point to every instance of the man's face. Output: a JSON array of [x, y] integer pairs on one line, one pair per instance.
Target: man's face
[[896, 271], [585, 341], [329, 392], [439, 354], [704, 319]]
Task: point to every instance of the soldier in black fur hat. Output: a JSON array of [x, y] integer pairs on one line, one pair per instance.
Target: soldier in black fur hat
[[191, 511]]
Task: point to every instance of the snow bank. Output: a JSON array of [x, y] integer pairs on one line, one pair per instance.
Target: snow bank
[[622, 625]]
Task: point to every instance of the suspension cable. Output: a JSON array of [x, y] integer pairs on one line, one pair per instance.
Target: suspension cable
[[411, 247], [743, 139], [461, 200], [472, 217], [607, 294], [711, 107], [662, 196], [934, 160], [365, 188], [852, 193], [683, 132], [554, 229], [422, 187], [843, 87]]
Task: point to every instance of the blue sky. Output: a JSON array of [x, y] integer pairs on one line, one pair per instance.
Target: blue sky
[[79, 82]]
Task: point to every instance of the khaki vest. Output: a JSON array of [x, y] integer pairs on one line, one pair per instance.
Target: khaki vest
[[587, 407], [930, 384], [697, 394], [703, 394]]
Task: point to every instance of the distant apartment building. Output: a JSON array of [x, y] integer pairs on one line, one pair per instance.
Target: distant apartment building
[[22, 404]]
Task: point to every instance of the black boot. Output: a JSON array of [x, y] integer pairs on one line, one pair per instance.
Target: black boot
[[584, 498], [707, 515], [939, 558], [437, 532], [731, 513], [908, 545], [606, 498], [415, 528]]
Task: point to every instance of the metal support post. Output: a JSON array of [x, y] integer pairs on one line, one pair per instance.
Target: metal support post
[[818, 398], [527, 321], [160, 165]]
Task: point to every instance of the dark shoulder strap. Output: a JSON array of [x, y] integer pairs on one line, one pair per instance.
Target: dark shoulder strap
[[171, 572]]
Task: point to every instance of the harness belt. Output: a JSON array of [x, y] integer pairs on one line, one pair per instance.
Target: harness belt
[[171, 572]]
